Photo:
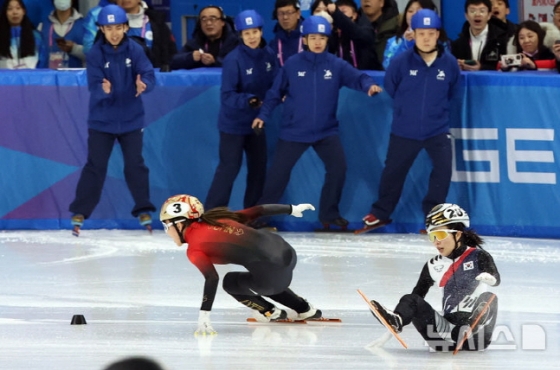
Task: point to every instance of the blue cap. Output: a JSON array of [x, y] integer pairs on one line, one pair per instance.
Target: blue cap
[[316, 25], [425, 18], [111, 14], [248, 19]]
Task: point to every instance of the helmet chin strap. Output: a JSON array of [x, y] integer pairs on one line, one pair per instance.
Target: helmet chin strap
[[180, 232], [427, 52]]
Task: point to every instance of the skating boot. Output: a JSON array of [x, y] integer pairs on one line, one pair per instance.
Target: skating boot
[[340, 223], [371, 223], [275, 314], [77, 222], [146, 220], [392, 318], [310, 314]]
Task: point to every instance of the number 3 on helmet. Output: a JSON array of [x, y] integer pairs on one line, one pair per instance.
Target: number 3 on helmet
[[181, 206]]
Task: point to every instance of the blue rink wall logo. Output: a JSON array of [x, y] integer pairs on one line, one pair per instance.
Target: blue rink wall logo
[[529, 337], [478, 155]]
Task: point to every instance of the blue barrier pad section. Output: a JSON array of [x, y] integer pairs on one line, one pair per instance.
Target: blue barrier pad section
[[505, 164]]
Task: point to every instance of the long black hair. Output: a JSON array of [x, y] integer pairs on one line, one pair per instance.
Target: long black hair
[[27, 38], [469, 237]]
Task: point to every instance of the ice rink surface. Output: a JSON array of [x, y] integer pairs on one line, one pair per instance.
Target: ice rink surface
[[140, 296]]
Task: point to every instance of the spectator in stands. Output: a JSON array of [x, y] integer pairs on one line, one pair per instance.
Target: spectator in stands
[[384, 17], [421, 102], [116, 113], [147, 26], [248, 73], [500, 11], [353, 35], [287, 39], [530, 43], [213, 39], [404, 39], [481, 43], [20, 43], [63, 35], [90, 24], [556, 15], [310, 82], [37, 10], [556, 51]]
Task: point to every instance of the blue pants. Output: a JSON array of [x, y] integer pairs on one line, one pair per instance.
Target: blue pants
[[90, 185], [400, 157], [287, 153], [231, 157]]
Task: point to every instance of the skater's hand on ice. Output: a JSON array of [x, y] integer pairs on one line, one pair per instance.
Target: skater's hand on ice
[[374, 89], [204, 325], [486, 278], [140, 86], [106, 85], [297, 210]]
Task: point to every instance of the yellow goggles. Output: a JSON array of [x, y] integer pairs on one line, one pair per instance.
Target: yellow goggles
[[439, 234]]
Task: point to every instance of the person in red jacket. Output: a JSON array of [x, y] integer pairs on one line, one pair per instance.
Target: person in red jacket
[[220, 236]]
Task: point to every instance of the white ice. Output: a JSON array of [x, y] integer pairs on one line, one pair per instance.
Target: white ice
[[140, 296]]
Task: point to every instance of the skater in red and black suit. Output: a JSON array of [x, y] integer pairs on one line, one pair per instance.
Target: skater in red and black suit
[[220, 236], [464, 271]]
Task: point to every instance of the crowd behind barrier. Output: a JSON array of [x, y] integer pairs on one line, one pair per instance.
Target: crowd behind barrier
[[505, 164]]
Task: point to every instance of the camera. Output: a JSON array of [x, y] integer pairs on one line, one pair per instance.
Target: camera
[[512, 60]]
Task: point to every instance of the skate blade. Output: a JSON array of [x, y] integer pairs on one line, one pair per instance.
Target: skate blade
[[324, 320], [365, 229], [283, 321]]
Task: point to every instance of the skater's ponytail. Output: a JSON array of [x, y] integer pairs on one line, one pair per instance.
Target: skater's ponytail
[[469, 237], [213, 216]]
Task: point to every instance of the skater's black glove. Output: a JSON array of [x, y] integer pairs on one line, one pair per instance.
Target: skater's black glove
[[255, 102]]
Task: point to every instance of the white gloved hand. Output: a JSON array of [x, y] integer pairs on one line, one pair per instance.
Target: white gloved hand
[[297, 210], [486, 278], [204, 325]]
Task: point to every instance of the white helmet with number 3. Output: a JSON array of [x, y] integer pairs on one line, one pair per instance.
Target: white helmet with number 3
[[445, 214], [181, 206]]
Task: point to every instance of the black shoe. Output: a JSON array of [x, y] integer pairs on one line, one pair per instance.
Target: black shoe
[[392, 318], [339, 222]]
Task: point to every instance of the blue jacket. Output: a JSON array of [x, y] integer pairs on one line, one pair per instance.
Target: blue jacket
[[90, 25], [290, 42], [421, 93], [119, 111], [75, 34], [246, 73], [311, 83]]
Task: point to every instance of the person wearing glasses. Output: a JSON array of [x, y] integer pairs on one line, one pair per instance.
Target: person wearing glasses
[[220, 236], [481, 42], [213, 38], [464, 271], [287, 39]]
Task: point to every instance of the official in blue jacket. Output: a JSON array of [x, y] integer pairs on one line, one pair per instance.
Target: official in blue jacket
[[422, 82], [118, 72], [310, 82], [247, 74]]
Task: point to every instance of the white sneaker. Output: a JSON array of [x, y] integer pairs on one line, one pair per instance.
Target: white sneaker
[[312, 313]]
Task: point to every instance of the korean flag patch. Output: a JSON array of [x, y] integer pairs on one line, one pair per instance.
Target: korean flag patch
[[468, 265]]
